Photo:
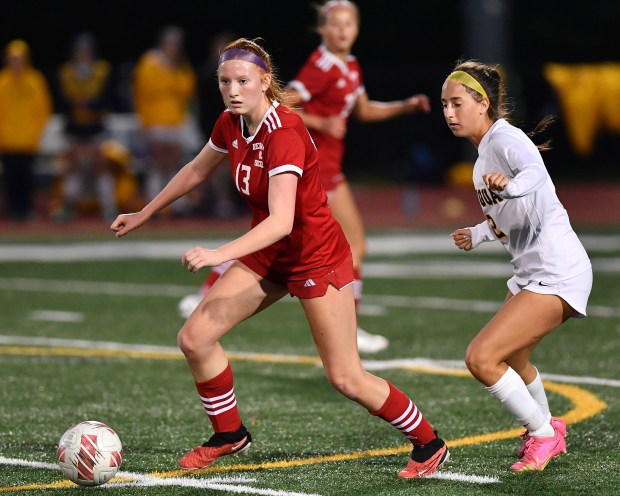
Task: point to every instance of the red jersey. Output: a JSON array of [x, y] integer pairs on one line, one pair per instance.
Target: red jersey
[[281, 144], [328, 86]]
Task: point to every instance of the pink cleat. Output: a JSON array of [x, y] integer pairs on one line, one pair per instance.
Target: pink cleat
[[557, 423], [539, 451]]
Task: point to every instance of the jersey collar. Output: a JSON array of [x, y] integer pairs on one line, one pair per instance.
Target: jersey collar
[[274, 105], [337, 61]]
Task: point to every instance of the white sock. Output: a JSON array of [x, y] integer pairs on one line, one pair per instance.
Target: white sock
[[537, 390], [357, 289], [515, 397]]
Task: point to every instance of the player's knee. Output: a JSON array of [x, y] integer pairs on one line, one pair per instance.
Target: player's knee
[[477, 361], [346, 383], [185, 341], [192, 340]]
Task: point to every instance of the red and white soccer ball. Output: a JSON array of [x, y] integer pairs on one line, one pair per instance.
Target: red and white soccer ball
[[90, 453]]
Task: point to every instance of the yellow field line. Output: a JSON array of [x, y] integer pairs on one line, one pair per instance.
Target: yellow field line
[[585, 405], [148, 354]]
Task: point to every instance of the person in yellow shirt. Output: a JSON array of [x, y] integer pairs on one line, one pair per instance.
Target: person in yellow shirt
[[25, 108], [84, 83], [164, 84], [84, 97]]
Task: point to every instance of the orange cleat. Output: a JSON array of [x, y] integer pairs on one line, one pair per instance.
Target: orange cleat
[[214, 448], [426, 459]]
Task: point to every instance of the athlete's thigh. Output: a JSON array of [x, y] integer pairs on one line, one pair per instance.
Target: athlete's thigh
[[238, 294], [520, 324], [333, 323], [345, 211]]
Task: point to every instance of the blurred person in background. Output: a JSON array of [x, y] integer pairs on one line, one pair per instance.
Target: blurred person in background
[[84, 96], [25, 109], [164, 83], [117, 163], [329, 88]]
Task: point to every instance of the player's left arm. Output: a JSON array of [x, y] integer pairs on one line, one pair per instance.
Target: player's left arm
[[527, 170], [367, 110], [279, 223], [185, 180]]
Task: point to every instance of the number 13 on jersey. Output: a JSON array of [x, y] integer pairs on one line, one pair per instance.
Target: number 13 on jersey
[[242, 178]]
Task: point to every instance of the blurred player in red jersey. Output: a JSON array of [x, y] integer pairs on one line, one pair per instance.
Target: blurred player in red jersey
[[329, 88], [294, 246]]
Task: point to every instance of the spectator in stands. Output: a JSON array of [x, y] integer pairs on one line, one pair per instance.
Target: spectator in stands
[[117, 163], [25, 108], [84, 97], [164, 84]]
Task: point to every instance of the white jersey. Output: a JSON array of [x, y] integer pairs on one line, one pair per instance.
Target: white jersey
[[527, 217]]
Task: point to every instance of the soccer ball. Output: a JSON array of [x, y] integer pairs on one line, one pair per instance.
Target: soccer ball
[[89, 453], [188, 304]]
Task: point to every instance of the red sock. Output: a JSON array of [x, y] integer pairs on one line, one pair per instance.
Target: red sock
[[218, 398], [209, 281], [400, 411], [214, 275]]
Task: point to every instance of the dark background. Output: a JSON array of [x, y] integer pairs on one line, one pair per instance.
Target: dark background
[[405, 47]]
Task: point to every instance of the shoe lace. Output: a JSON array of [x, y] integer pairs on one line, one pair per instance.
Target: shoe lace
[[530, 450]]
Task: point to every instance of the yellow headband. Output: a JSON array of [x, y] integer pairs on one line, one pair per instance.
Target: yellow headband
[[467, 80]]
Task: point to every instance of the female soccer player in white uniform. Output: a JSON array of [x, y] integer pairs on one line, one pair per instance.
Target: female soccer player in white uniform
[[552, 272]]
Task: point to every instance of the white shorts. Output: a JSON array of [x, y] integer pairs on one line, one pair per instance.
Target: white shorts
[[574, 291]]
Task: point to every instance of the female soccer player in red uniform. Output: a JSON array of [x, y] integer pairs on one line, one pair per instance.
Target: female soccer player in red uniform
[[329, 88], [294, 246]]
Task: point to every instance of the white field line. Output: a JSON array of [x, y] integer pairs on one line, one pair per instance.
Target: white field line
[[474, 479], [176, 290], [224, 483], [475, 268], [56, 316], [477, 306], [378, 245], [94, 287], [227, 484], [398, 363], [17, 462]]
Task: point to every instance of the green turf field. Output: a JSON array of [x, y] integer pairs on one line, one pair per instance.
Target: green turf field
[[93, 339]]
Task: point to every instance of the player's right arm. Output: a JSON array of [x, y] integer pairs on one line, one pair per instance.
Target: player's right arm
[[467, 238], [335, 125], [190, 176]]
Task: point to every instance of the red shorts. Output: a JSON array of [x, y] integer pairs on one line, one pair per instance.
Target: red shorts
[[330, 183], [331, 152], [312, 286]]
